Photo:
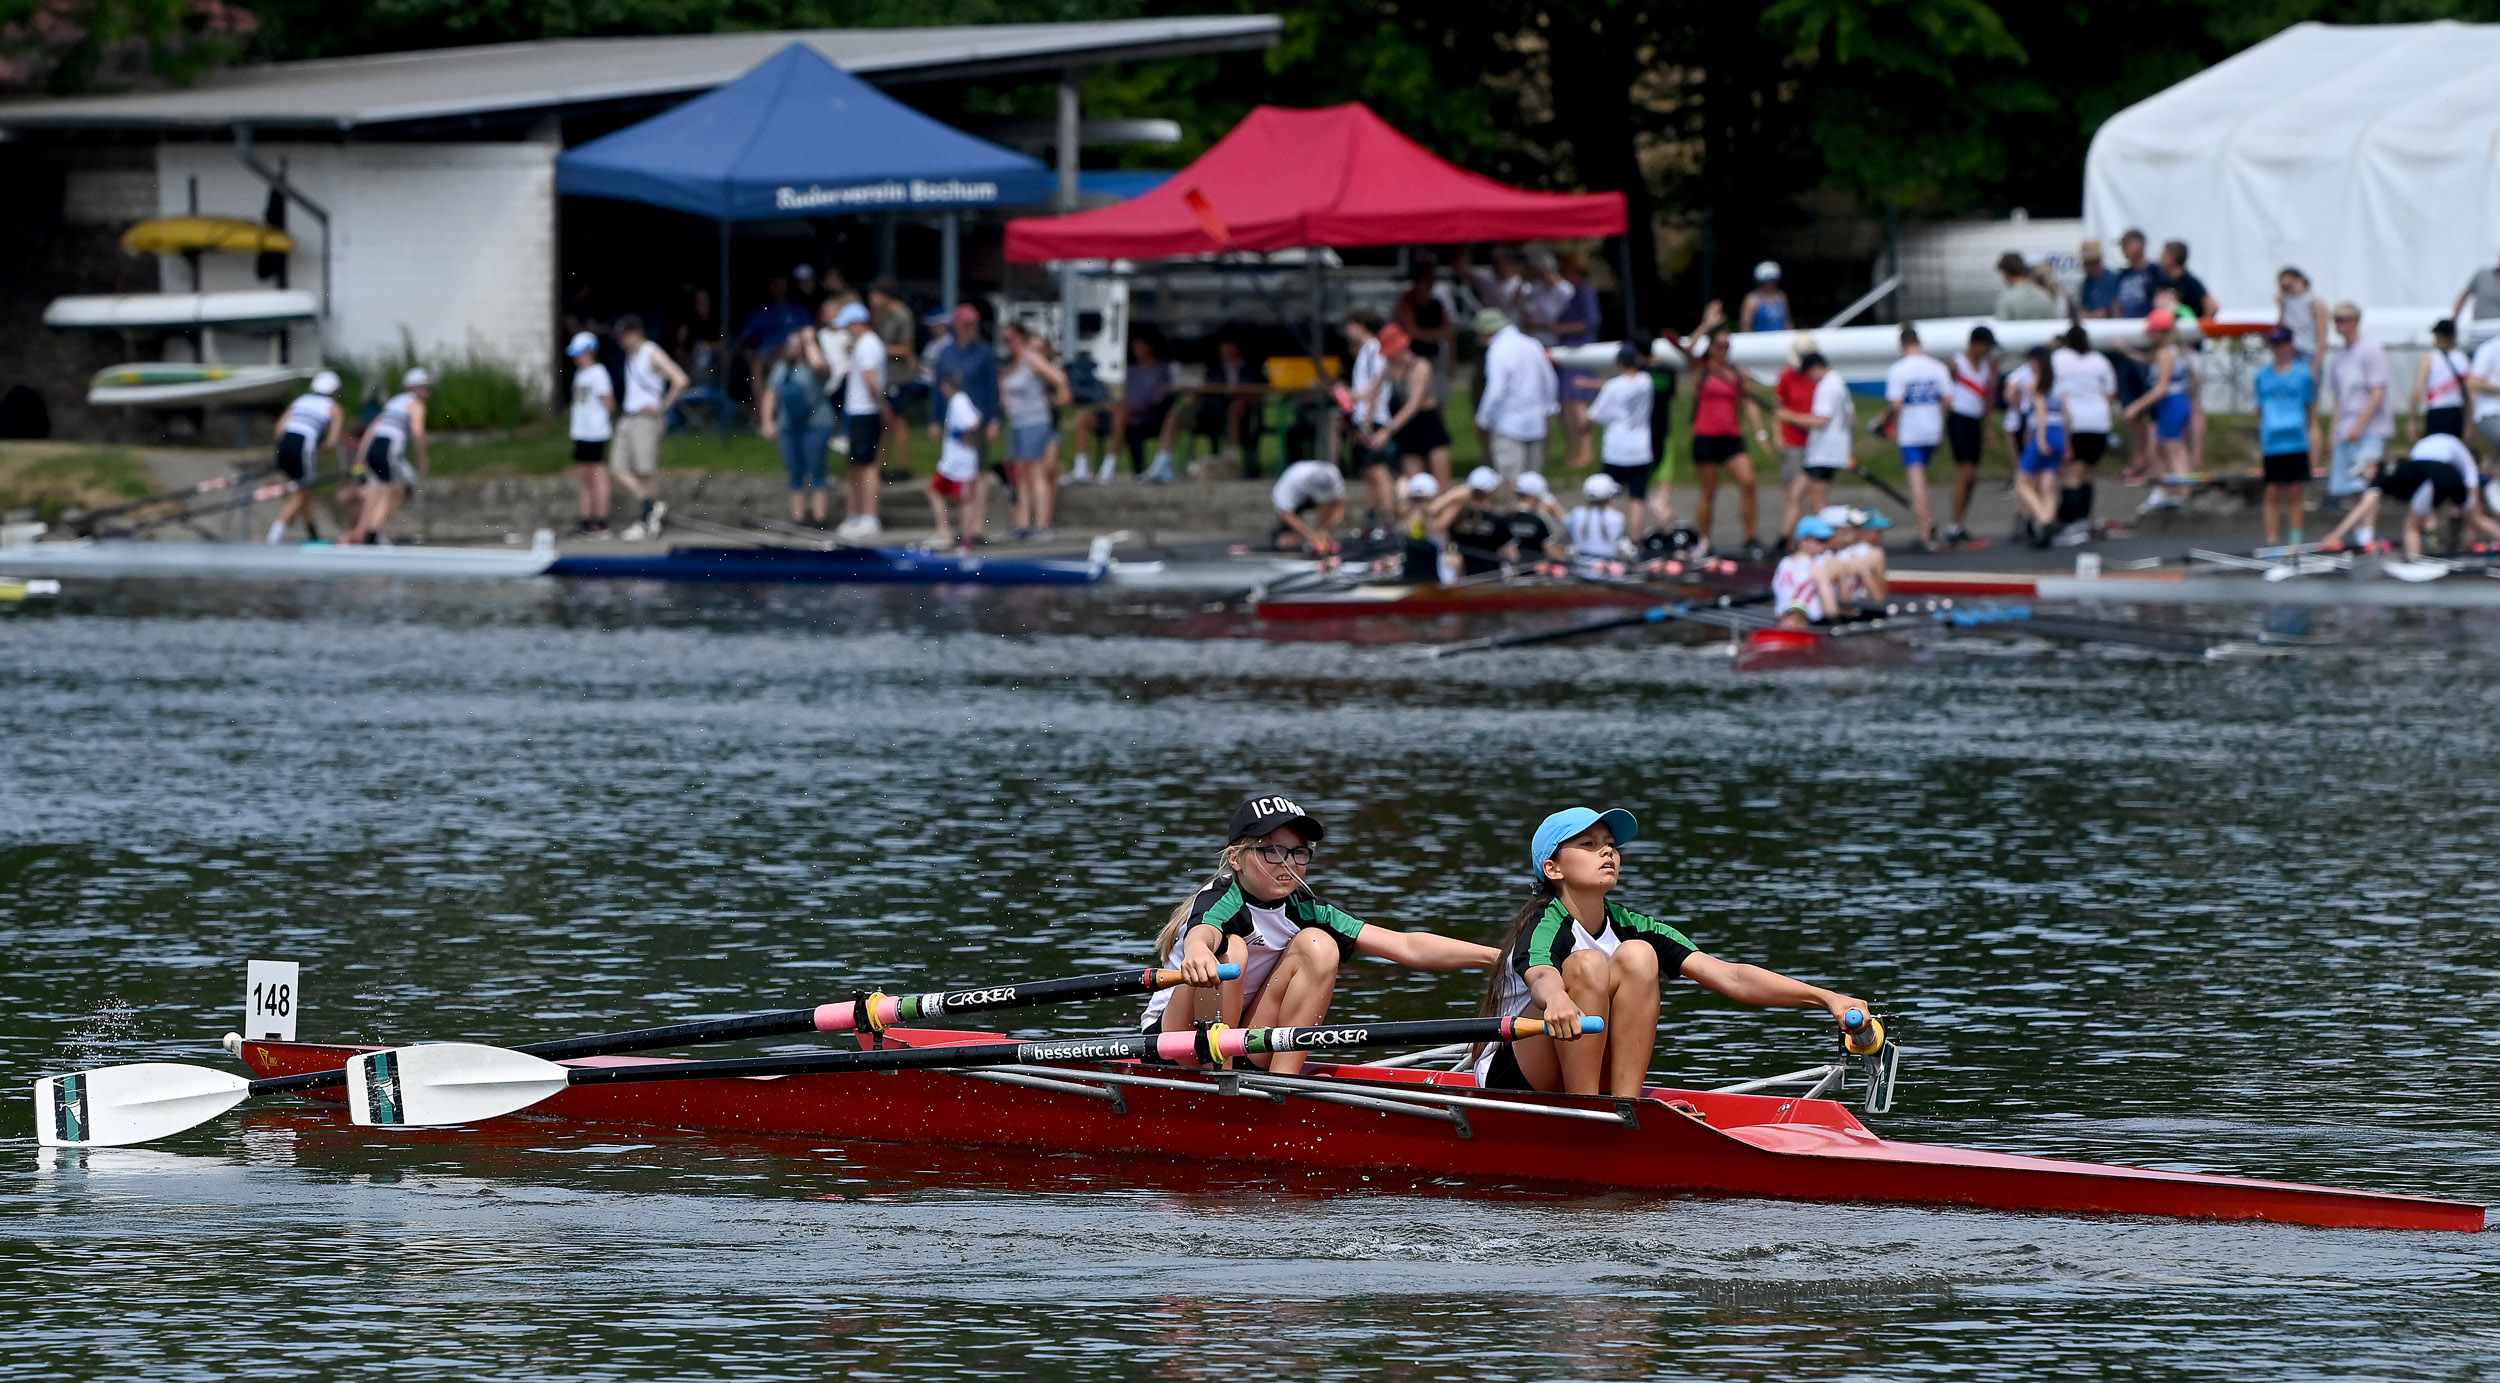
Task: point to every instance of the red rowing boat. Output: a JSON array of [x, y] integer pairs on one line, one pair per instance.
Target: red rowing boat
[[1779, 648], [1433, 1123]]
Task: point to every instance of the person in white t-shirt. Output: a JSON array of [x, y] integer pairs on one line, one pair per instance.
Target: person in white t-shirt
[[1915, 389], [592, 425], [2438, 471], [1310, 503], [1624, 406], [653, 384], [2482, 386], [1830, 428], [866, 413], [958, 478], [2087, 389], [1966, 422]]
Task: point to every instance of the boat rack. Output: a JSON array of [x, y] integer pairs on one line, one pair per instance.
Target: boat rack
[[1450, 1107]]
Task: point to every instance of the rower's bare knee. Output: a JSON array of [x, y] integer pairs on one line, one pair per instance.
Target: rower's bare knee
[[1585, 972], [1312, 951], [1636, 963]]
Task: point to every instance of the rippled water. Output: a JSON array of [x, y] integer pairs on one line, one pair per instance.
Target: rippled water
[[2232, 917]]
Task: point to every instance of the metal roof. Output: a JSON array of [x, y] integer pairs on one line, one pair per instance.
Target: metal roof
[[443, 83]]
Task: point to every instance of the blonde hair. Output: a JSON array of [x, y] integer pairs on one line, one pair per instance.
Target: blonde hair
[[1179, 920]]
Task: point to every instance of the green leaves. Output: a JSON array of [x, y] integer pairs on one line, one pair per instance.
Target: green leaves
[[1935, 39]]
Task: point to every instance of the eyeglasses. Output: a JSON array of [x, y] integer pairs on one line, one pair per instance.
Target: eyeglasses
[[1298, 855]]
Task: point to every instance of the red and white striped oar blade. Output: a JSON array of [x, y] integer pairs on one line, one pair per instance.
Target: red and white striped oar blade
[[443, 1083], [117, 1105]]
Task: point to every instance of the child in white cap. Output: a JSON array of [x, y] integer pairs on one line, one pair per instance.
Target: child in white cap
[[593, 426], [1596, 528]]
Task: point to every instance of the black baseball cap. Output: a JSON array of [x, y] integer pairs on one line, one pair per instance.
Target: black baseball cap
[[1262, 812]]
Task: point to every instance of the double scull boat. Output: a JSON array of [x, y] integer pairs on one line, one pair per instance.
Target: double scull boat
[[1386, 1116]]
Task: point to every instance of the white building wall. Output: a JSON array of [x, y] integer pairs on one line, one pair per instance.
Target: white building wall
[[452, 246]]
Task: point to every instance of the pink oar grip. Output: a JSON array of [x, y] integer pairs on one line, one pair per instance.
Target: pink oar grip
[[1176, 1046], [839, 1018]]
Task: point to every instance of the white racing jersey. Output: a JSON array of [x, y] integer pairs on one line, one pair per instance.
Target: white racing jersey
[[309, 416], [1792, 586], [393, 421], [1595, 530]]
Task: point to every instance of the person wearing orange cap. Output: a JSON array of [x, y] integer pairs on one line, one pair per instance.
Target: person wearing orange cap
[[1415, 432], [2171, 404]]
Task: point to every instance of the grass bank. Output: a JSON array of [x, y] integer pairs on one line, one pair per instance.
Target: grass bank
[[43, 478]]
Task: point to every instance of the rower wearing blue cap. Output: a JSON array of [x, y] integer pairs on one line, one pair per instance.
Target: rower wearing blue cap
[[1802, 592], [1573, 953], [1858, 566]]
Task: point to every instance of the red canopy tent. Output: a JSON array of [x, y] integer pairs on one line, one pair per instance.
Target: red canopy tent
[[1293, 179]]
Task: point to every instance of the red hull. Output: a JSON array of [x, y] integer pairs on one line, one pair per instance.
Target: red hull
[[1735, 1145], [1775, 650]]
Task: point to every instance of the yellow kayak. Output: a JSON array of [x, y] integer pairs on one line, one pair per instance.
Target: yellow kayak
[[173, 235]]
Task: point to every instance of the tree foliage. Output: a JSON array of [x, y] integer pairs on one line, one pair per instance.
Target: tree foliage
[[65, 46]]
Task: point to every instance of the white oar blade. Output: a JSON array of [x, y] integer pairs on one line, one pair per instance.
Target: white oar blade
[[119, 1105], [445, 1083]]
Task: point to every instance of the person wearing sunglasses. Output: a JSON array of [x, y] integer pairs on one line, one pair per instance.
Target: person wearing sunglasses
[[1258, 912], [1572, 952]]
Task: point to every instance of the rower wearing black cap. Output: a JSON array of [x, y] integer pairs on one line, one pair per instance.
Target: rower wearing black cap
[[1258, 912]]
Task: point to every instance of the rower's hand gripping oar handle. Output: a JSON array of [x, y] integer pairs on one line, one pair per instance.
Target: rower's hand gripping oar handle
[[1862, 1033]]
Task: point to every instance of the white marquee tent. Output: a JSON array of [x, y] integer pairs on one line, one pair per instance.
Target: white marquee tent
[[2369, 156]]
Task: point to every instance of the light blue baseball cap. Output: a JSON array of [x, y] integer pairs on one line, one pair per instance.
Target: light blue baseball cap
[[1571, 821], [852, 314], [1812, 527]]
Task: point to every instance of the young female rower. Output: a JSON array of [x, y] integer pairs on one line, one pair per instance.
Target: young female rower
[[1258, 912], [1573, 952]]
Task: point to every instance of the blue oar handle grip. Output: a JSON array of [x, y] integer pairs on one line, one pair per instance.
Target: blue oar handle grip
[[1228, 971], [1854, 1019], [1861, 1034], [1592, 1025]]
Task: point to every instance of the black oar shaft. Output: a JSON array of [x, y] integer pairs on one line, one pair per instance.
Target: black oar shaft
[[1205, 1047], [889, 1009]]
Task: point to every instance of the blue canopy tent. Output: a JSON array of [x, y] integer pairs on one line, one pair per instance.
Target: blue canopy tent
[[799, 137]]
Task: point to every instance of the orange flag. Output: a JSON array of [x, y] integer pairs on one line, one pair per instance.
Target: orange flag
[[1209, 219]]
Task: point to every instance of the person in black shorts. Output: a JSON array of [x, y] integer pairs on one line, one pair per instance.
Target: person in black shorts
[[1415, 434], [310, 426]]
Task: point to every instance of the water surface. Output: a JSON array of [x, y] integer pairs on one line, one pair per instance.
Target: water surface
[[2231, 917]]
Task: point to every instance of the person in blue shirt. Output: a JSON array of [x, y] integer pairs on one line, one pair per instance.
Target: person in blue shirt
[[1766, 307], [963, 353], [2097, 295], [2287, 403]]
